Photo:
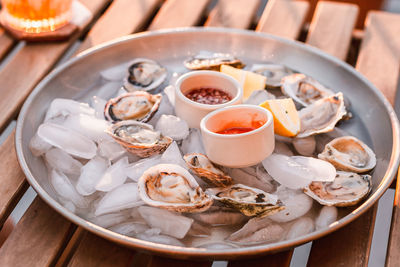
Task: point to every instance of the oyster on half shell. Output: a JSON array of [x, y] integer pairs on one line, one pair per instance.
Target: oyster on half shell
[[347, 153], [139, 138], [347, 189], [274, 73], [138, 105], [322, 115], [144, 74], [248, 200], [206, 60], [205, 169], [304, 89], [171, 187]]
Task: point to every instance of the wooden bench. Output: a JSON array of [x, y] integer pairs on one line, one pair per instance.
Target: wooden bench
[[43, 237]]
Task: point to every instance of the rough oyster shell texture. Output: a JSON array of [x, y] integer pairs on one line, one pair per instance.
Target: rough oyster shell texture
[[205, 169], [248, 200], [139, 138], [347, 189], [138, 105], [171, 187], [348, 153], [205, 60]]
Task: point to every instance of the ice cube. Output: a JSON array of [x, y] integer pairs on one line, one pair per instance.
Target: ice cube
[[135, 170], [161, 239], [108, 90], [63, 187], [110, 219], [164, 108], [116, 73], [172, 126], [170, 93], [193, 143], [68, 140], [114, 176], [259, 96], [170, 223], [173, 155], [327, 215], [62, 161], [64, 107], [300, 227], [89, 126], [129, 228], [91, 173], [123, 197], [110, 149], [98, 104], [38, 146]]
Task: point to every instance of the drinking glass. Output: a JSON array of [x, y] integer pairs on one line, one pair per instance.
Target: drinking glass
[[36, 16]]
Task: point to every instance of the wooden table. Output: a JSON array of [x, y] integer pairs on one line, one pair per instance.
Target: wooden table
[[42, 237]]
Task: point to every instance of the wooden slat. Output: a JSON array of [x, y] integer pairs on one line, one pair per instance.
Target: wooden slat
[[179, 13], [37, 239], [29, 65], [281, 259], [283, 18], [12, 179], [379, 56], [393, 250], [121, 18], [380, 44], [96, 251], [233, 13], [6, 43], [332, 27]]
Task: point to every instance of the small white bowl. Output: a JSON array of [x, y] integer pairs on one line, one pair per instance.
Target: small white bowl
[[238, 150], [191, 111]]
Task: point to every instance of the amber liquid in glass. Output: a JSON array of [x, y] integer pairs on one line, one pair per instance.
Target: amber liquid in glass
[[35, 16]]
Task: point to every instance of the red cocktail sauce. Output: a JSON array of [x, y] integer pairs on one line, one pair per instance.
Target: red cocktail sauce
[[229, 129]]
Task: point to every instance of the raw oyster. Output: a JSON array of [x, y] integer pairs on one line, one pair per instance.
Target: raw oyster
[[347, 153], [248, 200], [139, 138], [138, 105], [273, 72], [171, 187], [206, 60], [321, 116], [303, 89], [203, 167], [347, 189], [144, 74]]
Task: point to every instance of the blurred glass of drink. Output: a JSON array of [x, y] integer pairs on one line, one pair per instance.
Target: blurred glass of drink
[[36, 16]]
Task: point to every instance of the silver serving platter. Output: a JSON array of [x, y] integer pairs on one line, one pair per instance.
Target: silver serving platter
[[374, 120]]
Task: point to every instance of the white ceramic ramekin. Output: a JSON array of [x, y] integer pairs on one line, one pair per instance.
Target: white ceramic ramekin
[[238, 150], [191, 111]]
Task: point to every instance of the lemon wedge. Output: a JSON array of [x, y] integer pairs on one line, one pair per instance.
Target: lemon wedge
[[286, 117], [250, 81]]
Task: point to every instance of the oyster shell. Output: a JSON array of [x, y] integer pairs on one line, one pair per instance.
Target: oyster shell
[[304, 89], [138, 105], [348, 153], [171, 187], [273, 72], [144, 74], [203, 167], [248, 200], [347, 189], [139, 138], [206, 60], [321, 116]]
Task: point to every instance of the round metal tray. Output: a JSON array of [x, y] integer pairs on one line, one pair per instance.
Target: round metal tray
[[374, 120]]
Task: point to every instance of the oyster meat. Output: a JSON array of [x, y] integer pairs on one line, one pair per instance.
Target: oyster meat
[[206, 60], [248, 200], [203, 167], [144, 74], [139, 138], [171, 187], [273, 72], [348, 153], [304, 89], [347, 189], [321, 116], [138, 105]]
